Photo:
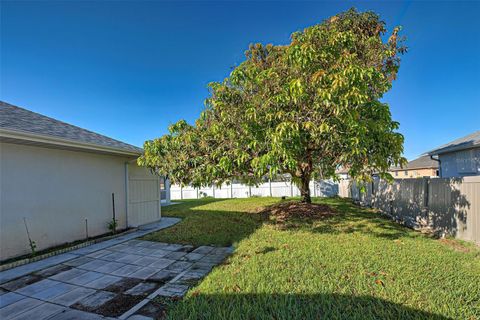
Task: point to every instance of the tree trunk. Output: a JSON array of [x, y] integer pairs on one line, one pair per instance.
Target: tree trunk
[[305, 189]]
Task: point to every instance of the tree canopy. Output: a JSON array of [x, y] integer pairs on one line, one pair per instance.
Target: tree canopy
[[304, 109]]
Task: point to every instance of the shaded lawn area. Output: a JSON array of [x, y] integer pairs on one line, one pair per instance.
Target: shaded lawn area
[[354, 265]]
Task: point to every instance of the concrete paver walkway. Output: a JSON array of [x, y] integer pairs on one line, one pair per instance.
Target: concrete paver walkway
[[115, 279]]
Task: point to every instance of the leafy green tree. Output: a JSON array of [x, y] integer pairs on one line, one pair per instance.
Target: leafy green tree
[[302, 109]]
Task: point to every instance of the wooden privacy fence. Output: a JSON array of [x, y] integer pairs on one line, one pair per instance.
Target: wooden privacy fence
[[449, 206]]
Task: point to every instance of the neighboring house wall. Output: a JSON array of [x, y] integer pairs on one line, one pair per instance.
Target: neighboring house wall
[[460, 163], [414, 173], [56, 191]]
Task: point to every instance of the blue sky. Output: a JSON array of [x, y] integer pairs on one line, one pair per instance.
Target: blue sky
[[129, 69]]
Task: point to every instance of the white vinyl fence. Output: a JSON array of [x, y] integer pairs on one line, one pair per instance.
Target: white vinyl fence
[[445, 205], [267, 189]]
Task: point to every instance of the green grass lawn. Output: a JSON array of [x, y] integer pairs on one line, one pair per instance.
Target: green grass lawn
[[354, 265]]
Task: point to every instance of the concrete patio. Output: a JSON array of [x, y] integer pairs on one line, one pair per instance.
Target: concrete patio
[[118, 279]]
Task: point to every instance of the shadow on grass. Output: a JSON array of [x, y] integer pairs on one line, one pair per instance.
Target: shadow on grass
[[291, 306], [219, 222], [223, 222]]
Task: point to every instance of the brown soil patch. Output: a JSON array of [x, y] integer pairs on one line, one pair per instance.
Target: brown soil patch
[[156, 309], [454, 244], [118, 305], [48, 272], [22, 282], [123, 285], [186, 248], [285, 211]]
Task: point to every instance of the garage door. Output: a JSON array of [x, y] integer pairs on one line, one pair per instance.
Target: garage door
[[143, 196]]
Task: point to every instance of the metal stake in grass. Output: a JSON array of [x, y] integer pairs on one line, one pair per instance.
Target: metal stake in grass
[[86, 227], [33, 245], [114, 221]]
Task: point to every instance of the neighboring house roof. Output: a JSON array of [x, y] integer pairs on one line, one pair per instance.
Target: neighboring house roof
[[423, 162], [467, 142], [19, 124]]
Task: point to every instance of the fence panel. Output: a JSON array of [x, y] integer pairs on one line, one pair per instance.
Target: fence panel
[[281, 189], [326, 188], [240, 191], [446, 205], [454, 207], [383, 199], [267, 189], [409, 201], [222, 191], [263, 190]]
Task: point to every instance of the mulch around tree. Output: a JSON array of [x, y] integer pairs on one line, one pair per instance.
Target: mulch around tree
[[291, 210]]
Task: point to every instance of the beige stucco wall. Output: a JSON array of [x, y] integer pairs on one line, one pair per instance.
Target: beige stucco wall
[[414, 173], [144, 203], [56, 190]]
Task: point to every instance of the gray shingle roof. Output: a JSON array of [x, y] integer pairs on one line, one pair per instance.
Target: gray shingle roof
[[421, 162], [469, 141], [22, 120]]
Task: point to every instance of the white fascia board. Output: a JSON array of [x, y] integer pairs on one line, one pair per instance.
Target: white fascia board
[[39, 138]]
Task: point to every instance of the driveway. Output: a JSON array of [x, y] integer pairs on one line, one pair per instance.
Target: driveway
[[116, 281]]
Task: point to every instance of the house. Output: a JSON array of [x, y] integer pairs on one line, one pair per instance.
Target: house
[[342, 173], [423, 166], [64, 183], [459, 158]]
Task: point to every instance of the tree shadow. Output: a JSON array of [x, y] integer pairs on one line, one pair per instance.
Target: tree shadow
[[226, 224], [291, 306], [437, 205], [223, 224], [448, 206]]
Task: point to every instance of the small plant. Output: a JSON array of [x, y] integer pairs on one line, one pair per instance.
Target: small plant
[[112, 226]]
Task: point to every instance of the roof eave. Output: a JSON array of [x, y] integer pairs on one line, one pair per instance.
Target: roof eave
[[60, 142], [452, 149]]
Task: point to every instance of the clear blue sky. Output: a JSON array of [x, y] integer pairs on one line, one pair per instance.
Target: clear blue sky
[[129, 69]]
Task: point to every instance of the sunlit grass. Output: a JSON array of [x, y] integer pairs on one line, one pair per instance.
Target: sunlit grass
[[355, 265]]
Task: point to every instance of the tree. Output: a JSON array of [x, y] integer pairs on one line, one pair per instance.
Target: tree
[[304, 109]]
